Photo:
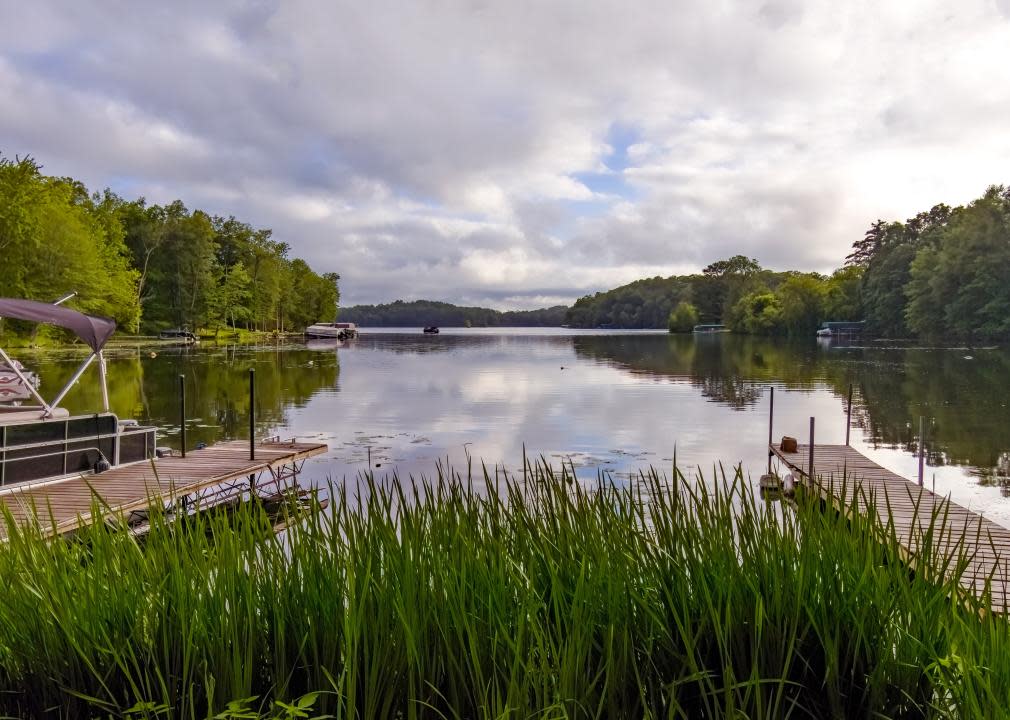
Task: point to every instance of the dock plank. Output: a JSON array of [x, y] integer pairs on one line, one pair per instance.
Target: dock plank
[[908, 508], [64, 505]]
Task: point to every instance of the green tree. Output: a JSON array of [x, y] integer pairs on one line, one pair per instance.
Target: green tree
[[844, 294], [229, 301], [57, 239], [759, 313], [959, 282], [802, 300], [683, 318]]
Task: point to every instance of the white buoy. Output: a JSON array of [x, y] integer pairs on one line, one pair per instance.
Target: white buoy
[[789, 484]]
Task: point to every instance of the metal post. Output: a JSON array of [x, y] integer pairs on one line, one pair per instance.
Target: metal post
[[771, 416], [182, 412], [848, 417], [922, 445], [105, 384], [252, 414], [73, 380], [810, 459]]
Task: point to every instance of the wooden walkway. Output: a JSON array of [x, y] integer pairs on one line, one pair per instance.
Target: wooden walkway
[[61, 506], [910, 508]]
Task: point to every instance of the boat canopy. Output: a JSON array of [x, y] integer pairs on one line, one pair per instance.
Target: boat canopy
[[93, 330]]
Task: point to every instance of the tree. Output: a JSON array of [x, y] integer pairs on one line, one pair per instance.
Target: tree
[[959, 283], [759, 313], [57, 239], [802, 301], [230, 300], [683, 318], [736, 265], [843, 295]]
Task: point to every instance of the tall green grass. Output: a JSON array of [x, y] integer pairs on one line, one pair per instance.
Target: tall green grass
[[486, 596]]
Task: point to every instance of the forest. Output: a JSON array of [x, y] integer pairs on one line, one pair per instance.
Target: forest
[[944, 273], [736, 292], [149, 267], [421, 313]]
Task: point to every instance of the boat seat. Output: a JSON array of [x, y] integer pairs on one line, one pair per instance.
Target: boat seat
[[19, 415]]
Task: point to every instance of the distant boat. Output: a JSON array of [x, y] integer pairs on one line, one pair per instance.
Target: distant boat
[[183, 336], [710, 328], [841, 329], [431, 330], [339, 331]]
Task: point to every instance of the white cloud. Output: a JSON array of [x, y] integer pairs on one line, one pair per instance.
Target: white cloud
[[438, 150]]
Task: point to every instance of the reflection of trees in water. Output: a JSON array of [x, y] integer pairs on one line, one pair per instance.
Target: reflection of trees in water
[[966, 401], [420, 344], [217, 387], [996, 476], [731, 370]]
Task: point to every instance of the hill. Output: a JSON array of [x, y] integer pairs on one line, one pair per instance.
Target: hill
[[422, 313]]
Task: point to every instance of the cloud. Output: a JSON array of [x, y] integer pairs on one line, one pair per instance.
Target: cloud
[[514, 153]]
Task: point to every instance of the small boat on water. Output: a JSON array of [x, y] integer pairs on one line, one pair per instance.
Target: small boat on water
[[42, 441], [335, 330], [431, 330], [841, 329], [710, 328], [179, 336]]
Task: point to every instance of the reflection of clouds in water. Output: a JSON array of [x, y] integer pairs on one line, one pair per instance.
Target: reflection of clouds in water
[[623, 402], [498, 396]]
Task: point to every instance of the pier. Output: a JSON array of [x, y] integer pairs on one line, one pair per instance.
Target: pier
[[210, 475], [910, 509]]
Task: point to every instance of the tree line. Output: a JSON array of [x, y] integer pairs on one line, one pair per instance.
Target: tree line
[[422, 313], [736, 292], [150, 267], [944, 273]]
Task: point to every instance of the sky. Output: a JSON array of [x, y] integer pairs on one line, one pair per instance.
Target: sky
[[518, 154]]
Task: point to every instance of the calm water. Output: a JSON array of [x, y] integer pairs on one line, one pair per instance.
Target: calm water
[[609, 401]]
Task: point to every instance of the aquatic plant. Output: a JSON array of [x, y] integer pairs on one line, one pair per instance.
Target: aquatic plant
[[488, 595]]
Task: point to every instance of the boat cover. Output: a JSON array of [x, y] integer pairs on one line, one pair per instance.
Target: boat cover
[[93, 330]]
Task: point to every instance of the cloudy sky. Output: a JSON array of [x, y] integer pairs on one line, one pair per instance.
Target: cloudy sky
[[519, 154]]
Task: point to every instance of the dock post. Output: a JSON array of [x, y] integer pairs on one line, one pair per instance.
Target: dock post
[[182, 412], [922, 445], [810, 458], [771, 417], [252, 414], [848, 417]]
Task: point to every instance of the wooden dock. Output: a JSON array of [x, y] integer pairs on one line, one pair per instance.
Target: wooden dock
[[61, 506], [910, 509]]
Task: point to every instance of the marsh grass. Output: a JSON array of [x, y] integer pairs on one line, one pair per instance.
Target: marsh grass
[[485, 596]]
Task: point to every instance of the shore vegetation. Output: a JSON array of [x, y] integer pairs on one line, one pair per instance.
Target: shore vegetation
[[150, 267], [489, 595]]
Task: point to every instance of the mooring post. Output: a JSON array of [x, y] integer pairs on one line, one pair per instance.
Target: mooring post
[[182, 412], [922, 446], [771, 417], [848, 417], [810, 458], [252, 414]]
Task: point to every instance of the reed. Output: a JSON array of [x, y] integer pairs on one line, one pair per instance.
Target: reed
[[486, 595]]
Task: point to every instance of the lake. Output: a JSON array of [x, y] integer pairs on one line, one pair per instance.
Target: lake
[[599, 401]]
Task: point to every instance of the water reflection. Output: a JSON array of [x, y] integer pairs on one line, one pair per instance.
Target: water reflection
[[612, 401], [961, 393], [144, 384]]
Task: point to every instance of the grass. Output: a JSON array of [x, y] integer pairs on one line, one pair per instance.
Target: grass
[[486, 596]]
